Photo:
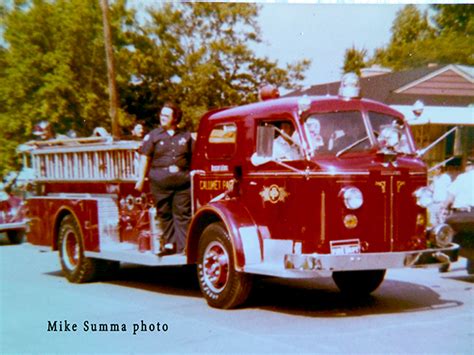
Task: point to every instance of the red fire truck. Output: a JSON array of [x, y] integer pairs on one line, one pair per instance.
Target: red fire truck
[[346, 198]]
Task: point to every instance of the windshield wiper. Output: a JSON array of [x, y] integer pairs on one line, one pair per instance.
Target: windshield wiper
[[350, 146]]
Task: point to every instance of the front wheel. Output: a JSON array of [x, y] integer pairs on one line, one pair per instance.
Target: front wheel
[[222, 286], [358, 283], [76, 267]]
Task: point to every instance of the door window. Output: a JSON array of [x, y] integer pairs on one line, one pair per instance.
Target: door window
[[222, 141]]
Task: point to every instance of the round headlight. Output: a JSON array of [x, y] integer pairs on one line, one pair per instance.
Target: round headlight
[[424, 197], [350, 86], [352, 197], [389, 137]]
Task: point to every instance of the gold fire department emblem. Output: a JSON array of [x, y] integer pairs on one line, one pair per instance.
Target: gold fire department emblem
[[274, 194]]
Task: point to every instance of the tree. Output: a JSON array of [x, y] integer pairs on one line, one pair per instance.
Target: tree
[[354, 60], [201, 58], [458, 18], [416, 42], [409, 26], [196, 54], [54, 69]]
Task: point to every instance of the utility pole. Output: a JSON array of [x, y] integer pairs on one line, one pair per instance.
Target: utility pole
[[113, 93]]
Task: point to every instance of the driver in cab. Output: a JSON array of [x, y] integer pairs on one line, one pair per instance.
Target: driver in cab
[[283, 146]]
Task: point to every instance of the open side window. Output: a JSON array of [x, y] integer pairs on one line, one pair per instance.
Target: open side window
[[275, 140]]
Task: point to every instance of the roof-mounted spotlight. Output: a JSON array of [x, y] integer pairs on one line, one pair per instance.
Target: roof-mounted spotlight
[[350, 86]]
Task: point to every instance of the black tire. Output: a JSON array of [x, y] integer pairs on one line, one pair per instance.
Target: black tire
[[107, 269], [222, 286], [16, 236], [470, 266], [358, 283], [76, 267]]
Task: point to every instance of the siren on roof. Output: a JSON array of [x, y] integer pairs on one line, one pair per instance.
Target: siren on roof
[[350, 86], [268, 92]]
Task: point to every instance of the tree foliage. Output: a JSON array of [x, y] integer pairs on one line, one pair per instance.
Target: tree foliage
[[54, 69], [201, 59], [448, 38], [457, 19], [354, 60], [52, 64]]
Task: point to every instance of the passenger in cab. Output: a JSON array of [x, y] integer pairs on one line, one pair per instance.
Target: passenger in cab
[[313, 129]]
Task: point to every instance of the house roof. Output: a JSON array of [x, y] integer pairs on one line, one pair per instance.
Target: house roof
[[449, 85]]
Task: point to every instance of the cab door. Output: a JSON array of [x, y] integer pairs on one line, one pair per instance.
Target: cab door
[[275, 190], [216, 162]]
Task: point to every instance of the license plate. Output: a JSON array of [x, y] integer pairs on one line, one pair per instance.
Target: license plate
[[345, 247]]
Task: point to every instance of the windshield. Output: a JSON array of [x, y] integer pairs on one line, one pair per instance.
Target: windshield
[[336, 131], [379, 121]]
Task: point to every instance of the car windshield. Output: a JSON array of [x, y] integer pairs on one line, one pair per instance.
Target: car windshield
[[336, 131], [379, 120]]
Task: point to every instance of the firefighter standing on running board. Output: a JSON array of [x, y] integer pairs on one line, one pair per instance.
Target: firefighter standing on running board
[[169, 149]]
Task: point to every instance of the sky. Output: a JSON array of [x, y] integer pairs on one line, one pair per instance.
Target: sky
[[320, 30], [322, 33], [295, 29]]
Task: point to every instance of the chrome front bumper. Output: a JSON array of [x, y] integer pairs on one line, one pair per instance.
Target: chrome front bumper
[[13, 226], [372, 261]]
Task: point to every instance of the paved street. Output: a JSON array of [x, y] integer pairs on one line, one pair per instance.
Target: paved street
[[414, 311]]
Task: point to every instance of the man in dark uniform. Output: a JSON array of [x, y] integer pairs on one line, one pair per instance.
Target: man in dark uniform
[[168, 150]]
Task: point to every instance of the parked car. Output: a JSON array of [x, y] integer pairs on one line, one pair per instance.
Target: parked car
[[13, 219]]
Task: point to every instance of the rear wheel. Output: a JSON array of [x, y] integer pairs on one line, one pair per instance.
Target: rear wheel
[[222, 286], [16, 236], [76, 267], [358, 283]]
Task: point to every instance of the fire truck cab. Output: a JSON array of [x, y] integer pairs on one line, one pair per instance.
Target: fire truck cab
[[296, 187]]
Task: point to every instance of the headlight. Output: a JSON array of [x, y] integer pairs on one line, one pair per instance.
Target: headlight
[[389, 137], [352, 197], [424, 197]]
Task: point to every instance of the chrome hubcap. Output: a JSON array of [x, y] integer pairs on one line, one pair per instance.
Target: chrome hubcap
[[216, 266]]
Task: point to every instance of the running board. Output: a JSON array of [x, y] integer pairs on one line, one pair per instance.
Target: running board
[[137, 257]]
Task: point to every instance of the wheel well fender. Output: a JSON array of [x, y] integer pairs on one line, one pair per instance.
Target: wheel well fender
[[245, 237], [61, 214]]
